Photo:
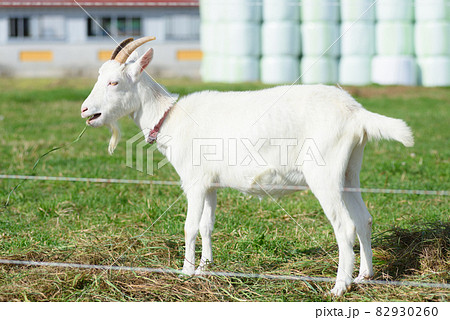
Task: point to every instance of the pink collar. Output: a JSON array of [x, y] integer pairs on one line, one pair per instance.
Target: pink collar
[[154, 132]]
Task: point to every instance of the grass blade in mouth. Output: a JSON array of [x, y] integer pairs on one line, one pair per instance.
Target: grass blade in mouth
[[95, 116]]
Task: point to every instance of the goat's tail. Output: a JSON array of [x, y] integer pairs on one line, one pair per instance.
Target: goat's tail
[[378, 127]]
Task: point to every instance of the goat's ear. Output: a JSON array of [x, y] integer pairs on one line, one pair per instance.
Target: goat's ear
[[133, 57], [139, 66]]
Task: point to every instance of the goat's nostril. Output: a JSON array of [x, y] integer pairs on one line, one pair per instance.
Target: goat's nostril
[[84, 109]]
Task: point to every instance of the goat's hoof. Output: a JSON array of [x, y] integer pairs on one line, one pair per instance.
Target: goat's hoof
[[363, 277], [188, 271], [340, 288], [201, 270]]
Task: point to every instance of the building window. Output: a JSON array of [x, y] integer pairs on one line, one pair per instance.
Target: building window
[[114, 26], [19, 27], [51, 27], [41, 27], [182, 27]]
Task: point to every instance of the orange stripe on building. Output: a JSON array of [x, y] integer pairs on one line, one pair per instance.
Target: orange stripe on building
[[36, 56], [104, 55], [189, 55]]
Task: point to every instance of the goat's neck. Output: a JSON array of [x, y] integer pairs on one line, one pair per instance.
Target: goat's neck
[[154, 102]]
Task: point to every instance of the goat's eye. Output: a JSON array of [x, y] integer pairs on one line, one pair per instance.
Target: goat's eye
[[113, 83]]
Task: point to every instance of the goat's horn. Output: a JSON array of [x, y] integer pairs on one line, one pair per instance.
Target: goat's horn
[[120, 47], [123, 54]]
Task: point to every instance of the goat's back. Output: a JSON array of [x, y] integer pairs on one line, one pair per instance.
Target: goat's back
[[274, 112]]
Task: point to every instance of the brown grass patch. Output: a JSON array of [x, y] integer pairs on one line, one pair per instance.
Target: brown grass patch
[[397, 92], [423, 252]]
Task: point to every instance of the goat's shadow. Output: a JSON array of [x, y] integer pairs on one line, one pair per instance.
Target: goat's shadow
[[401, 252], [419, 250]]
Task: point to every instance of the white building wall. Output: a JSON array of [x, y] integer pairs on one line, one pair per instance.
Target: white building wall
[[77, 54], [156, 26], [4, 28], [76, 28]]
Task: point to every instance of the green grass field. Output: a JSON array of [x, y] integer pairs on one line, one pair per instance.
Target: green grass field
[[101, 223]]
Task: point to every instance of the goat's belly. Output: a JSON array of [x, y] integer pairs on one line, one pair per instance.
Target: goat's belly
[[270, 182]]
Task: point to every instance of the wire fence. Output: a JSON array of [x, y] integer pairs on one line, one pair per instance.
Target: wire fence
[[215, 273], [218, 185]]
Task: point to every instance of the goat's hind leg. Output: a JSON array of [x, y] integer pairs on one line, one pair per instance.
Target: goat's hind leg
[[359, 213], [327, 191], [363, 223]]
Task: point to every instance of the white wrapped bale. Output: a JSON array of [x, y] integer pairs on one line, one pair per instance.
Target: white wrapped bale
[[394, 70], [280, 38], [355, 70], [212, 10], [319, 10], [281, 10], [361, 10], [206, 39], [358, 38], [230, 40], [242, 10], [394, 38], [241, 69], [317, 37], [241, 39], [432, 10], [209, 41], [315, 70], [395, 10], [213, 68], [220, 68], [435, 71], [432, 38], [279, 69]]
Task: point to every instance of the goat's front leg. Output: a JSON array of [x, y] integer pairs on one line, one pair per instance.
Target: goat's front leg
[[196, 200], [206, 229]]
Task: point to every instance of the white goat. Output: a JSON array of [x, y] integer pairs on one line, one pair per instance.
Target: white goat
[[310, 135]]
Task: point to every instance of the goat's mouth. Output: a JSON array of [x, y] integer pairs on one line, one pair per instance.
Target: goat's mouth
[[93, 117]]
